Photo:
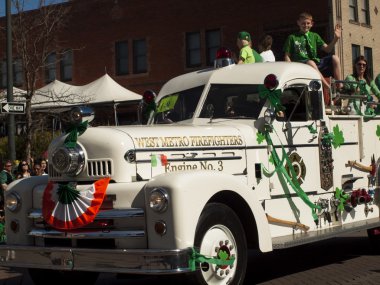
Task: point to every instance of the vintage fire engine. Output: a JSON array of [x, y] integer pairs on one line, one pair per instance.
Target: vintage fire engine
[[233, 158]]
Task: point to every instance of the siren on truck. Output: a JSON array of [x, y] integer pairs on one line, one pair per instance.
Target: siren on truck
[[223, 57]]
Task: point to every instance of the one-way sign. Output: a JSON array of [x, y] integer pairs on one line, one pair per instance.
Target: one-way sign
[[13, 108]]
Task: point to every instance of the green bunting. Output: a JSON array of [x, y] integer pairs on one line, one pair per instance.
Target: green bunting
[[67, 194]]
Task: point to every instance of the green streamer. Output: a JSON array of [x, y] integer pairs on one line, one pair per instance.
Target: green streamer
[[221, 259]]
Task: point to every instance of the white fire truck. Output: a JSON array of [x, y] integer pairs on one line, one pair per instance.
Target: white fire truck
[[233, 158]]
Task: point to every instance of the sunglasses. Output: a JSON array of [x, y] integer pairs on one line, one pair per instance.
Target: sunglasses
[[361, 64], [24, 164]]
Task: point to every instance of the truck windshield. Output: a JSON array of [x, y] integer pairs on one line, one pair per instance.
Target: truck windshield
[[232, 101], [178, 106]]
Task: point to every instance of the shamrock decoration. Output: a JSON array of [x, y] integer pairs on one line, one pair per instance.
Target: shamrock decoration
[[260, 137], [378, 131], [338, 138], [342, 197], [223, 255]]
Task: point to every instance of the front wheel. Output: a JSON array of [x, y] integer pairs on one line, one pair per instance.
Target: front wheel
[[220, 232], [374, 238], [56, 277]]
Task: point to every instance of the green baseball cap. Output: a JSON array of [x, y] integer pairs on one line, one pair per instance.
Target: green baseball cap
[[243, 35]]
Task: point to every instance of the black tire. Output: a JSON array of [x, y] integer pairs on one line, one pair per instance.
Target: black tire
[[220, 228], [374, 238], [56, 277]]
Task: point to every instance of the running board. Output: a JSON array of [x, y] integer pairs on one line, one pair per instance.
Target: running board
[[322, 234]]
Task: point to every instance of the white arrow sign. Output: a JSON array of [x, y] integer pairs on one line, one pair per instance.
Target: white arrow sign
[[12, 107]]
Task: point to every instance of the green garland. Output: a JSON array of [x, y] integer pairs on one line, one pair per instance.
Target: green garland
[[221, 259], [73, 133], [284, 175]]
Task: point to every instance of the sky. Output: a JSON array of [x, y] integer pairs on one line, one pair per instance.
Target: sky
[[28, 5]]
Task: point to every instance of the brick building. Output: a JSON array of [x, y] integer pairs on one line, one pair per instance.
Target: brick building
[[142, 44]]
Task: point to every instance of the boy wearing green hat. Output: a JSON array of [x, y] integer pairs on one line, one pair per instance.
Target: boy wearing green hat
[[246, 52]]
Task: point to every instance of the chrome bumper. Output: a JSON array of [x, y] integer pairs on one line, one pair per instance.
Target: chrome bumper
[[139, 261]]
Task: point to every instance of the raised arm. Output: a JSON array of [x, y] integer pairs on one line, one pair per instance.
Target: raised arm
[[337, 34]]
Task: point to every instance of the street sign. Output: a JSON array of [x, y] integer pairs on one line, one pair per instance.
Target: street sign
[[13, 108]]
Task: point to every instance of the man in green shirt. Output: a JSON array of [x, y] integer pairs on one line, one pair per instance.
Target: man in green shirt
[[304, 45]]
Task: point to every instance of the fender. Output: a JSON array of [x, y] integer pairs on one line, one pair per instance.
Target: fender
[[189, 192], [27, 190]]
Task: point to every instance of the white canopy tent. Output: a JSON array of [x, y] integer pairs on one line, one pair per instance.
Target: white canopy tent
[[58, 96], [18, 95], [102, 90]]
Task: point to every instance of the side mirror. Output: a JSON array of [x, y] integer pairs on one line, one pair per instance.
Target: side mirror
[[316, 103]]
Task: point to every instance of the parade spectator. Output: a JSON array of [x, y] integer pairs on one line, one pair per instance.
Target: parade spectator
[[304, 45], [6, 176], [44, 168], [265, 48], [23, 170], [37, 168]]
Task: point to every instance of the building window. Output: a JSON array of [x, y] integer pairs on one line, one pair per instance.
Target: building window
[[193, 49], [212, 45], [67, 66], [365, 12], [355, 53], [18, 74], [122, 62], [353, 6], [368, 56], [50, 71], [139, 56]]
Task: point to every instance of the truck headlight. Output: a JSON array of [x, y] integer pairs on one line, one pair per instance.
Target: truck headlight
[[13, 202], [159, 200], [68, 161]]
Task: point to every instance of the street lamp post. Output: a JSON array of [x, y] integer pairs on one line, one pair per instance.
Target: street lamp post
[[11, 118]]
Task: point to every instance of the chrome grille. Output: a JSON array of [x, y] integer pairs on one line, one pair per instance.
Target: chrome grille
[[53, 173], [99, 168]]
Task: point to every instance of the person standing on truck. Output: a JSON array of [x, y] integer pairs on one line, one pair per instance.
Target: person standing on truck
[[360, 74], [265, 48], [303, 46], [244, 44]]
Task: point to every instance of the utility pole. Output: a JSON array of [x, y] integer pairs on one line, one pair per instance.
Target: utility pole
[[11, 117]]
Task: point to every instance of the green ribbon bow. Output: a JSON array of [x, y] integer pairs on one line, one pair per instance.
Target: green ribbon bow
[[273, 96]]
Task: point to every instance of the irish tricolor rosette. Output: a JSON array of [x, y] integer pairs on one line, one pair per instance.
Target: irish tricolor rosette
[[65, 207]]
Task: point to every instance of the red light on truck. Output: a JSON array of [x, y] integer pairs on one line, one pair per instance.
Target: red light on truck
[[223, 53], [270, 81]]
